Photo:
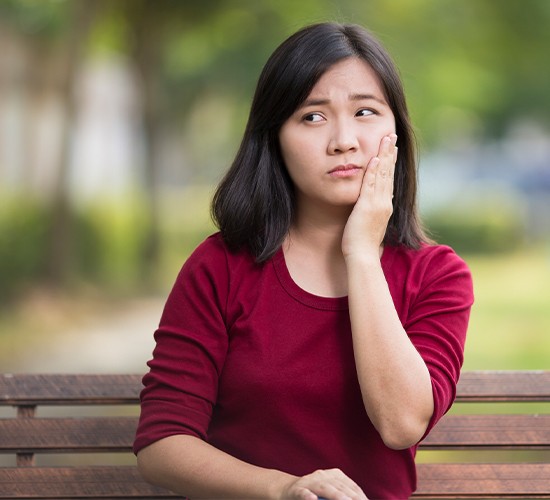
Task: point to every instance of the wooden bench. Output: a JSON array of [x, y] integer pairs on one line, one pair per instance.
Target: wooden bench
[[50, 441]]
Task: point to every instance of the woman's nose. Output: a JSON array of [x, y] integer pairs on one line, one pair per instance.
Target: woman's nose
[[343, 139]]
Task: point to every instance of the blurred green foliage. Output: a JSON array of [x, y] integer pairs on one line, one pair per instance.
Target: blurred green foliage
[[477, 229], [484, 57], [23, 229], [107, 246], [470, 67], [109, 238]]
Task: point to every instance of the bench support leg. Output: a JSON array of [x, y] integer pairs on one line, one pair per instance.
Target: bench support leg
[[25, 459]]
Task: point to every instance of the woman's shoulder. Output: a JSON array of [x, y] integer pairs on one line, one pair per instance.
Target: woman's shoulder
[[428, 263], [214, 269], [213, 252], [432, 270], [213, 244], [425, 255]]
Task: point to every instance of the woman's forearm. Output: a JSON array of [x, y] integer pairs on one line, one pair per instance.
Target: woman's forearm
[[189, 466], [395, 382]]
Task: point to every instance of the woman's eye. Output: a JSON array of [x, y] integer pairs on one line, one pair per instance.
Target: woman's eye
[[313, 117], [365, 112]]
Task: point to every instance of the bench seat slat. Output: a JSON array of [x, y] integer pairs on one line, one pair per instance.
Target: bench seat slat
[[490, 431], [483, 481], [76, 482]]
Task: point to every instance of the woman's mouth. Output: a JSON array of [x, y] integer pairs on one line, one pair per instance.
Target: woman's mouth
[[349, 170]]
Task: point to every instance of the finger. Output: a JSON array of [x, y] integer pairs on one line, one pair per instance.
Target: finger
[[369, 179], [384, 178], [345, 484], [388, 156], [305, 494], [386, 152], [388, 148], [387, 144], [393, 172], [332, 492], [332, 484]]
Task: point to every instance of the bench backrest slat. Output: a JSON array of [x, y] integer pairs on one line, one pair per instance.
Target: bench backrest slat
[[438, 481], [31, 389], [77, 482], [524, 432], [116, 434], [497, 386], [66, 435], [494, 480]]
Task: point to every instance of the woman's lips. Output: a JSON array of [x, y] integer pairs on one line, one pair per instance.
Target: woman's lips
[[345, 171]]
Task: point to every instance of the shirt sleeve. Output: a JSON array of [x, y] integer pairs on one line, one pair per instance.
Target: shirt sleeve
[[438, 320], [180, 388]]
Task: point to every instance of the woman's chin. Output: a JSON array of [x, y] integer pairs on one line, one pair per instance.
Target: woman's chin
[[347, 199]]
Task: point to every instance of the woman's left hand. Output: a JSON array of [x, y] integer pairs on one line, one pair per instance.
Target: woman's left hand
[[367, 223]]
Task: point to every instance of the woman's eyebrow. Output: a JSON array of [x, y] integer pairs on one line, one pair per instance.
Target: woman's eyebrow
[[315, 102], [352, 97], [366, 97]]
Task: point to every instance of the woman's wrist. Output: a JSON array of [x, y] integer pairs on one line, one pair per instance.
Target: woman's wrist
[[279, 484], [363, 257]]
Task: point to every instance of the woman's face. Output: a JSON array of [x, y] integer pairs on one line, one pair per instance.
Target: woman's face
[[328, 142]]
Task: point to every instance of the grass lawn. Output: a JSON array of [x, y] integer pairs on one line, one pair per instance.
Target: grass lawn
[[510, 322]]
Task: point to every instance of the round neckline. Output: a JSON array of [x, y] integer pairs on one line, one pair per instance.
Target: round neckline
[[310, 299]]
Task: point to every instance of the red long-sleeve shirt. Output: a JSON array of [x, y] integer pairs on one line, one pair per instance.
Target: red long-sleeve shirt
[[265, 371]]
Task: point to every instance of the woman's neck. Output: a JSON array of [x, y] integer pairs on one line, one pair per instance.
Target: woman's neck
[[319, 230], [321, 240], [314, 258]]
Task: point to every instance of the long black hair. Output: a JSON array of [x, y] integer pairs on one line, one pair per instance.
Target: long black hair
[[253, 205]]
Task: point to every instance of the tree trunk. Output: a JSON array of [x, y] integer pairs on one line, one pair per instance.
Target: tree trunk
[[147, 54], [61, 244]]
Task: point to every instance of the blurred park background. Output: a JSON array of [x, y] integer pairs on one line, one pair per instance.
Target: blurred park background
[[118, 118]]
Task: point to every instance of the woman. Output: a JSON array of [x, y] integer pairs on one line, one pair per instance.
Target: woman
[[308, 347]]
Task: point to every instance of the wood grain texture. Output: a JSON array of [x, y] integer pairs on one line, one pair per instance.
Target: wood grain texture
[[483, 481], [116, 434], [52, 389], [69, 435], [26, 435], [526, 386], [435, 481], [77, 482], [526, 432]]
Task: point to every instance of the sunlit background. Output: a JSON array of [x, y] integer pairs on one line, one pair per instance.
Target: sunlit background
[[118, 118]]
